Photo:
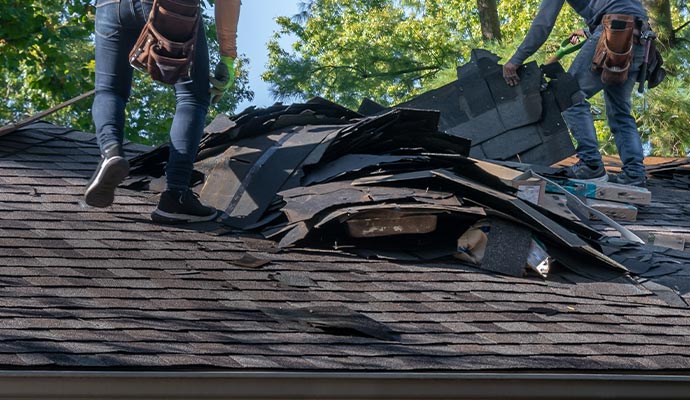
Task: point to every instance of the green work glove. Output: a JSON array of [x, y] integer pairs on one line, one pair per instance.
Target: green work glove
[[222, 78]]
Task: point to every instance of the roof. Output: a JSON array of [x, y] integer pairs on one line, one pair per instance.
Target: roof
[[89, 289]]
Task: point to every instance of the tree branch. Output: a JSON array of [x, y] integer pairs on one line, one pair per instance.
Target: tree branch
[[680, 28], [363, 74], [402, 72]]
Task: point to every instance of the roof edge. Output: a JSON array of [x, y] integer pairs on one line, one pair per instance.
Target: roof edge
[[337, 385]]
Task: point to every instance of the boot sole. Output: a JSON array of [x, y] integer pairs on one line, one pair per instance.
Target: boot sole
[[169, 218], [600, 179], [101, 192]]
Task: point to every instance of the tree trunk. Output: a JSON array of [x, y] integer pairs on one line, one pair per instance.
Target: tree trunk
[[488, 18], [660, 19]]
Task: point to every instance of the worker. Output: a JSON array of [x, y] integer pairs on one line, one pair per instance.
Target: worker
[[617, 96], [118, 25]]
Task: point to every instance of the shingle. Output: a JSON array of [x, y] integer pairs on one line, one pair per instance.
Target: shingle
[[92, 288]]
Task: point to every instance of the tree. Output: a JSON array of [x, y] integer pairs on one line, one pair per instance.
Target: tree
[[661, 20], [46, 57], [488, 19], [387, 50]]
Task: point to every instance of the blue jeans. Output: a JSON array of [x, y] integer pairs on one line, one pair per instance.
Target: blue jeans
[[118, 24], [618, 106]]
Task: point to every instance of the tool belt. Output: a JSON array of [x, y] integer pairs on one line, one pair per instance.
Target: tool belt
[[614, 54], [165, 47]]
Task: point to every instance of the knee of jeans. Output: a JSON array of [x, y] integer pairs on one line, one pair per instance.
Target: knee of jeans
[[193, 98]]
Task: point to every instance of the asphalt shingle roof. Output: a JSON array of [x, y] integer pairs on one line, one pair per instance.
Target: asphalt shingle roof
[[92, 289]]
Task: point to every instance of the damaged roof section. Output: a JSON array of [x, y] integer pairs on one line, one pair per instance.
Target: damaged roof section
[[401, 184]]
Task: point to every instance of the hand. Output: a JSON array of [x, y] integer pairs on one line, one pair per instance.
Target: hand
[[510, 74], [576, 35], [222, 78]]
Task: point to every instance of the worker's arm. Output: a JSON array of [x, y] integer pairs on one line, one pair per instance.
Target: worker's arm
[[539, 31], [227, 18]]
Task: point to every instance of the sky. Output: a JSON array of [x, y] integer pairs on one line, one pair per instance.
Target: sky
[[256, 26]]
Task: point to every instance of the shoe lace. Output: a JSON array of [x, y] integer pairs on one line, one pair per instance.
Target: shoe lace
[[579, 165]]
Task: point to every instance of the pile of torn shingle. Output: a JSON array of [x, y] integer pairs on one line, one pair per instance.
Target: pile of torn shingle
[[392, 184], [678, 172]]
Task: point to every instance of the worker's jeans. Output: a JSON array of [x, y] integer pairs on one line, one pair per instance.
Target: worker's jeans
[[618, 105], [118, 24]]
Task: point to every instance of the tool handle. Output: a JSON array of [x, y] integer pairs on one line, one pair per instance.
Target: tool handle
[[567, 47], [642, 77], [7, 129]]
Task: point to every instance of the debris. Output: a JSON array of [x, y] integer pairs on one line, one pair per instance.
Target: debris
[[538, 260], [472, 244], [400, 183], [378, 223], [338, 321], [499, 245], [521, 123], [605, 191], [249, 261], [676, 242]]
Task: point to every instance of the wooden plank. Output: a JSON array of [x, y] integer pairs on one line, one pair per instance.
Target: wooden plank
[[606, 191], [558, 204], [671, 241], [614, 210], [390, 223]]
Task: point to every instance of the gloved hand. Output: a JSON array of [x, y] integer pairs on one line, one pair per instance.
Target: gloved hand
[[222, 78]]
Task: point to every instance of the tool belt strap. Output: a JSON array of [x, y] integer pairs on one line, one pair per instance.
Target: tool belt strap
[[165, 47]]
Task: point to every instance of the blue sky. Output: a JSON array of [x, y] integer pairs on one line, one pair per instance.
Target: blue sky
[[257, 24]]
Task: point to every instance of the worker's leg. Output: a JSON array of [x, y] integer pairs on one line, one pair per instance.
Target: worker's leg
[[623, 125], [178, 203], [579, 116], [113, 72], [192, 102], [116, 31]]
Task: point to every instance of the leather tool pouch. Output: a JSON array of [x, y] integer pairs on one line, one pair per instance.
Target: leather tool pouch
[[614, 53], [165, 47]]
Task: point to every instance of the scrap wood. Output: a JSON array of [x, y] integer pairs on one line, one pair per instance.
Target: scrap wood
[[604, 191], [627, 234], [379, 223], [615, 210], [517, 208], [304, 203], [293, 233], [343, 214], [669, 240]]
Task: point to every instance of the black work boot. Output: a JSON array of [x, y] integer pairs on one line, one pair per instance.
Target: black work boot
[[110, 172], [592, 172], [182, 206], [624, 179]]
